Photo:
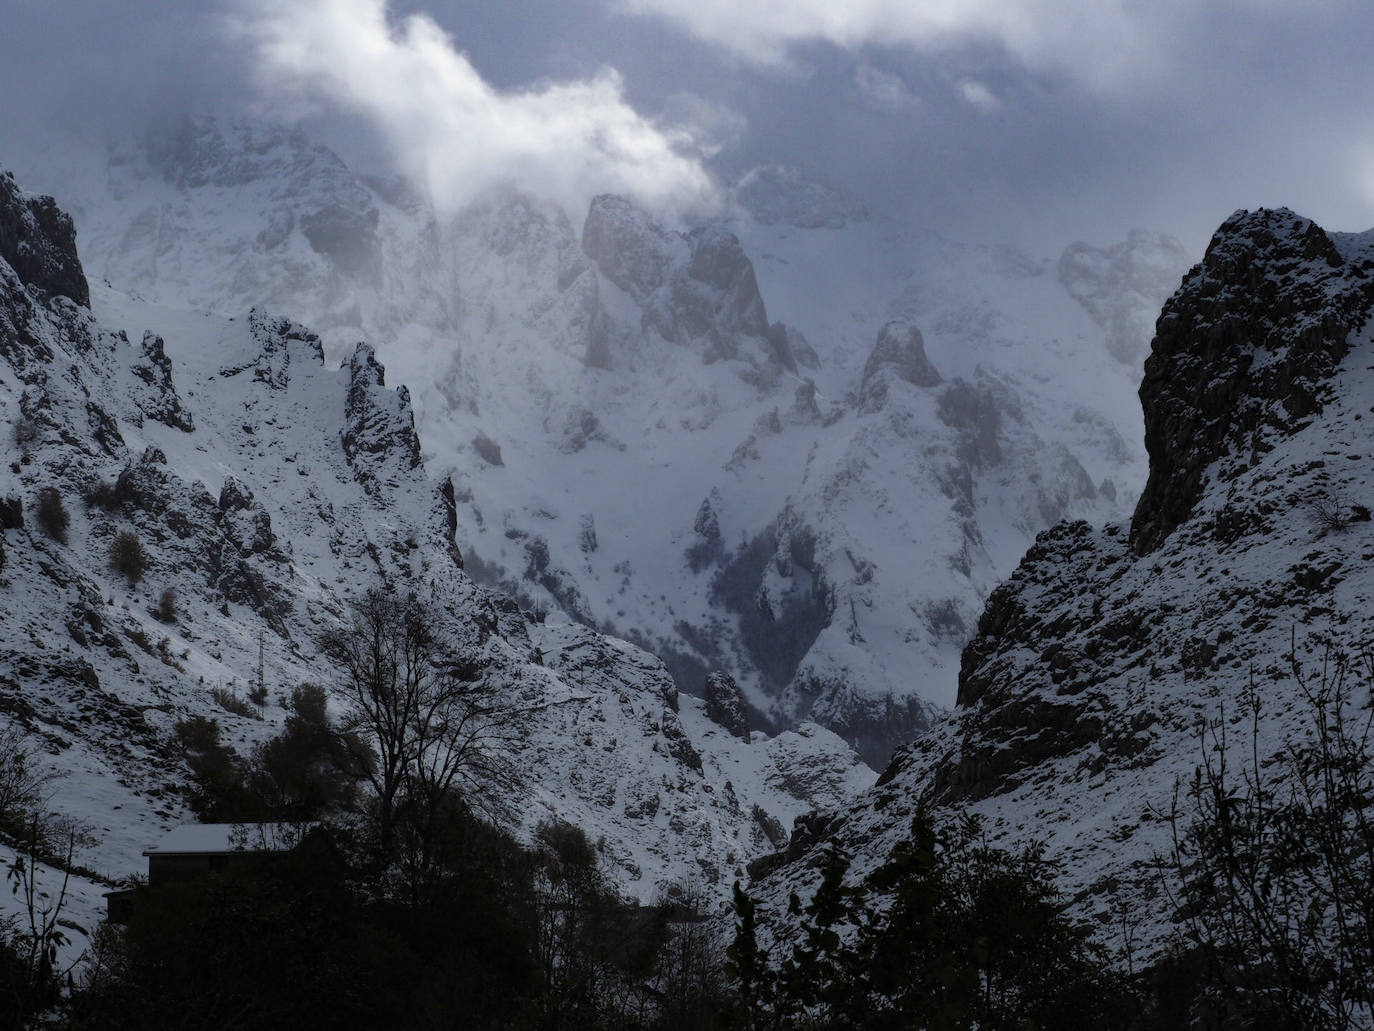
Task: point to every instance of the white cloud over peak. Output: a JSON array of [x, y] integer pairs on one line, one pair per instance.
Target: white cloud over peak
[[451, 130]]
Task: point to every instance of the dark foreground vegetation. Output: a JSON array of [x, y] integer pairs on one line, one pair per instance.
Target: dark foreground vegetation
[[412, 910]]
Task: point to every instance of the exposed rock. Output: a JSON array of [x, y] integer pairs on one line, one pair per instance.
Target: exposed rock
[[790, 341], [379, 436], [719, 261], [448, 499], [780, 595], [901, 348], [975, 411], [487, 449], [234, 496], [680, 746], [1245, 348], [323, 498], [347, 238], [725, 704], [159, 400], [629, 248], [38, 241], [1111, 663], [707, 548], [695, 290]]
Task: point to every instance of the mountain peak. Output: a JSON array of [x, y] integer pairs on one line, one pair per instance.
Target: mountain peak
[[1242, 353]]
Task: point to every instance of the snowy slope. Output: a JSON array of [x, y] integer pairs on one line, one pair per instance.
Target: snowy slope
[[671, 435], [1081, 695], [269, 488]]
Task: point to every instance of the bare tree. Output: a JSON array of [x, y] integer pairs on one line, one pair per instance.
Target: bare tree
[[427, 728], [1272, 860], [23, 784]]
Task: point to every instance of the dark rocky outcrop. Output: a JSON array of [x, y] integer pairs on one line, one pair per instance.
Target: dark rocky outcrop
[[734, 305], [157, 399], [11, 514], [38, 240], [707, 547], [1245, 348], [901, 348], [487, 449], [725, 704], [976, 411], [777, 631], [379, 426]]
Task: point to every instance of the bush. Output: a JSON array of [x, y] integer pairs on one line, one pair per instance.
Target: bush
[[52, 514], [127, 556], [217, 794], [25, 434], [166, 611], [23, 782], [111, 497], [230, 702]]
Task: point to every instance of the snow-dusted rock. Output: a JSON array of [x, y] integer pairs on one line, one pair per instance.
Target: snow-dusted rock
[[616, 370], [1093, 667], [901, 349], [269, 491]]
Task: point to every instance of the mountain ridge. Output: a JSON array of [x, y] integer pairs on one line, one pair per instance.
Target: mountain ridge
[[270, 492], [1087, 693]]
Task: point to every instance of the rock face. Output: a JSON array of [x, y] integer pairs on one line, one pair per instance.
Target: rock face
[[725, 704], [901, 349], [268, 492], [628, 247], [38, 241], [1092, 668], [1242, 355], [696, 290]]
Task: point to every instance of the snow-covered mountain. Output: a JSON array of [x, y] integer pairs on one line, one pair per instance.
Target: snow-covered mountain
[[1082, 694], [270, 489], [800, 446]]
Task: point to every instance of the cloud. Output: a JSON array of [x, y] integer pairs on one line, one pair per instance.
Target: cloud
[[710, 127], [884, 91], [1109, 44], [978, 95], [452, 131]]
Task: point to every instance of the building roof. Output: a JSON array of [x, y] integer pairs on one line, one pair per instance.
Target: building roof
[[219, 838]]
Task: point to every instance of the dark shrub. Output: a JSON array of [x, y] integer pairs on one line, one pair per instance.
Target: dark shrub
[[128, 557], [52, 514], [166, 611]]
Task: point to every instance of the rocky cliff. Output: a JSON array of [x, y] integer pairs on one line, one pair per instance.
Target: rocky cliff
[[1093, 668]]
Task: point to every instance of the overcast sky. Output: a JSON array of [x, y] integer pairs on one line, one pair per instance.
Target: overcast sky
[[1036, 121]]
